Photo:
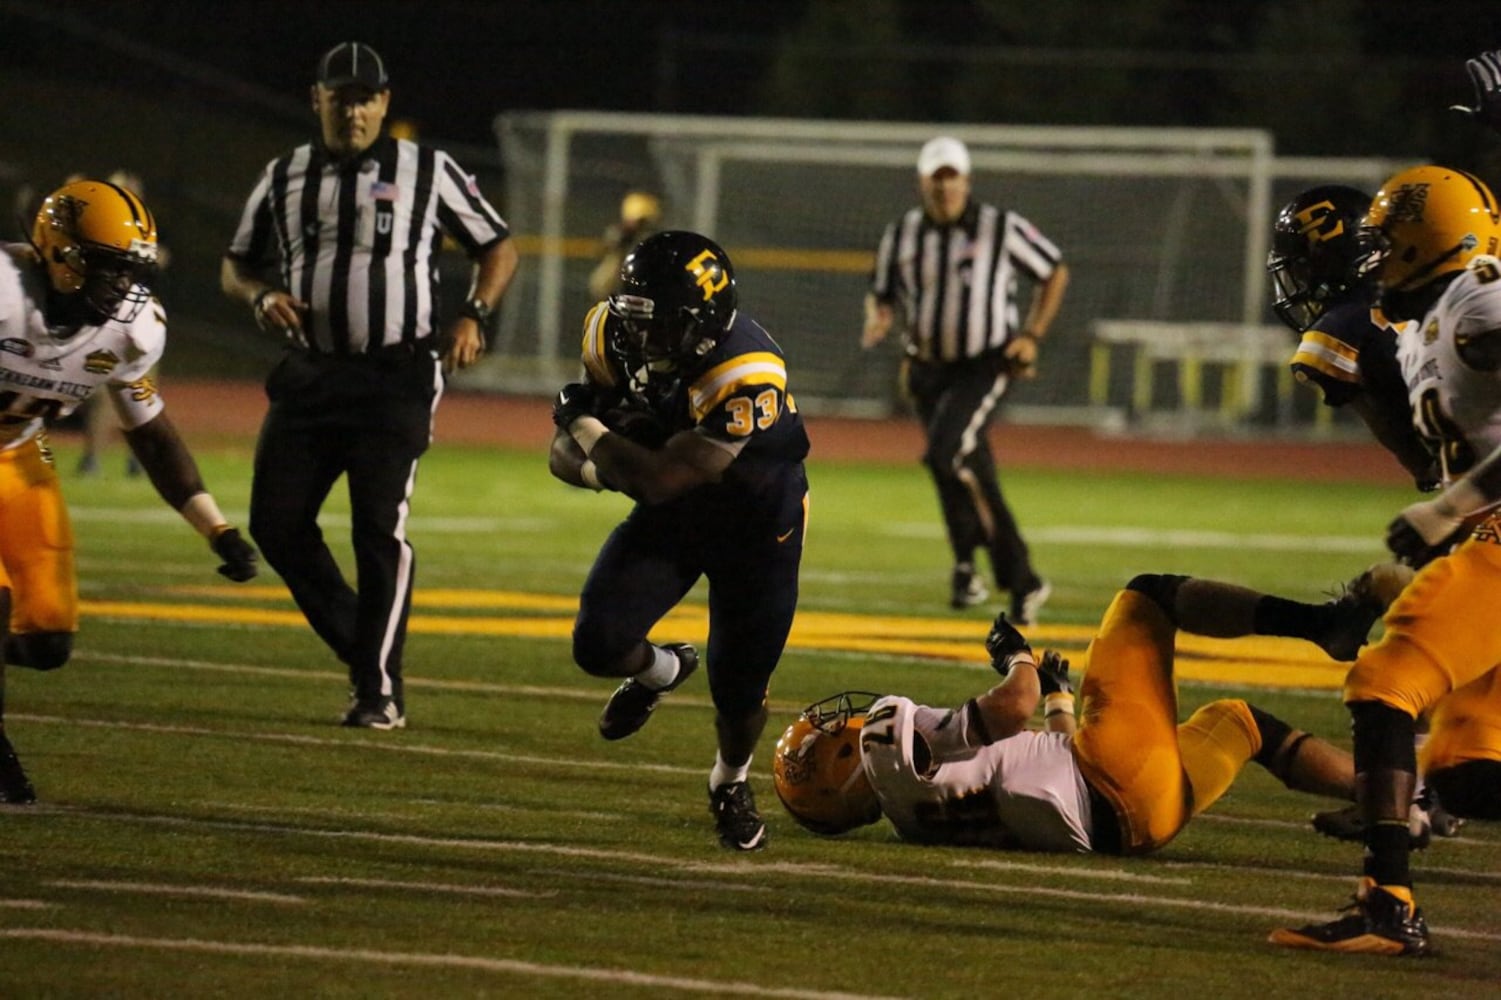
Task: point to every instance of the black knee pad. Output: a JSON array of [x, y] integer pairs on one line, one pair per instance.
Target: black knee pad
[[1161, 589], [1471, 790], [39, 650], [1383, 738], [1274, 732]]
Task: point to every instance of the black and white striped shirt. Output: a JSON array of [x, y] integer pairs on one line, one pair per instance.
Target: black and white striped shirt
[[956, 286], [359, 241]]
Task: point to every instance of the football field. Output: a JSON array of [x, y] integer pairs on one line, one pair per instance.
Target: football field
[[204, 828]]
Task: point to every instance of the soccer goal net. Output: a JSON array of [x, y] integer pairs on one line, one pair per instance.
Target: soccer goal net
[[1158, 225]]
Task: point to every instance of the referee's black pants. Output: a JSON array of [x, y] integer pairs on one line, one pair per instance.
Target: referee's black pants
[[956, 403], [369, 418]]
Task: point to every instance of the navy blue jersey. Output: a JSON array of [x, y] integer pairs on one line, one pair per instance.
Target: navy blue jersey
[[1352, 348], [736, 393]]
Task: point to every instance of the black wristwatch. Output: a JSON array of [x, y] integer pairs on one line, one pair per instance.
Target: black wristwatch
[[476, 309]]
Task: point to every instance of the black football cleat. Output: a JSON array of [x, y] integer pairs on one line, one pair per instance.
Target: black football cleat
[[633, 702], [15, 787], [1350, 617], [1378, 922], [1443, 822], [739, 825], [1347, 824]]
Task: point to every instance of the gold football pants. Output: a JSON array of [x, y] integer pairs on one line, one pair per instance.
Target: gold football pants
[[1156, 773], [1440, 651], [36, 543]]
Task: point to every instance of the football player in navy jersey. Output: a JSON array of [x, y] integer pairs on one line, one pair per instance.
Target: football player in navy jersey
[[1348, 352], [685, 408], [1348, 349]]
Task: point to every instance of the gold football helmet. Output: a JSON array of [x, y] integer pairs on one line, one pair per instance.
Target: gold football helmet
[[817, 770], [98, 243], [1424, 223]]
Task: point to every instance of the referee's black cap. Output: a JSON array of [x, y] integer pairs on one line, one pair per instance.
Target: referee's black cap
[[351, 63]]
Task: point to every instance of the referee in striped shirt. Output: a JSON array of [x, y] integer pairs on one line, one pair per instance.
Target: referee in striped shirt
[[951, 268], [337, 251]]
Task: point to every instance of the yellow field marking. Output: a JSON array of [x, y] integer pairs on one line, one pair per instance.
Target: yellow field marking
[[1257, 661]]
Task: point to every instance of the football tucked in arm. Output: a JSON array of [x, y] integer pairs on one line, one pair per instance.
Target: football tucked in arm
[[636, 424]]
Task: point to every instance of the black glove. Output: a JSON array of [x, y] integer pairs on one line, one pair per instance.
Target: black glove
[[1412, 549], [239, 555], [1485, 74], [576, 399], [1004, 642], [1052, 674]]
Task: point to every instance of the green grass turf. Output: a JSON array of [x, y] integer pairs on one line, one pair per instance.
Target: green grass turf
[[206, 830]]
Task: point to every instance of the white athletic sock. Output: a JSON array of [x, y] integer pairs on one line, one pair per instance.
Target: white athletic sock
[[662, 672], [723, 774]]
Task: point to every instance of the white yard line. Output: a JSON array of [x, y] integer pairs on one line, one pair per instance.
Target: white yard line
[[437, 887], [162, 889], [750, 867], [1078, 534], [368, 957], [381, 742]]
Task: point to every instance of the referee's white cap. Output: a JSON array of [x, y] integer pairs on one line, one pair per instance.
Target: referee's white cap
[[944, 151]]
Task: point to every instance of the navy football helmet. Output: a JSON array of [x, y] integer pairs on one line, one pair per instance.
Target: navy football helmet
[[1314, 251], [676, 300]]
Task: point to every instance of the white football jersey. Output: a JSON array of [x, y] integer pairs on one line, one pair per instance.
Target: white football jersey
[[1456, 408], [1025, 792], [43, 376]]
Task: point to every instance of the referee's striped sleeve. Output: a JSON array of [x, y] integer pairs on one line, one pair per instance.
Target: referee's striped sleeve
[[463, 211], [252, 242], [1034, 251]]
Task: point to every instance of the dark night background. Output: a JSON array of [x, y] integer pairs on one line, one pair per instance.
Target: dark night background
[[197, 96], [1328, 76]]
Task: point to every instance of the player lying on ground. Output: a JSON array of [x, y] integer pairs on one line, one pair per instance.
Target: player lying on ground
[[1123, 778]]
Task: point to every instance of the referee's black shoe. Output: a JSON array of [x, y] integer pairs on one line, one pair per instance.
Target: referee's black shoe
[[375, 713], [15, 787], [967, 589], [633, 702]]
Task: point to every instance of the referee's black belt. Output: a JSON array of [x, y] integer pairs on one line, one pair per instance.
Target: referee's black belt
[[386, 352]]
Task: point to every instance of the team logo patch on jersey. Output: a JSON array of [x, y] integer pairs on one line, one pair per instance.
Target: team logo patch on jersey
[[15, 345], [101, 362], [1489, 530]]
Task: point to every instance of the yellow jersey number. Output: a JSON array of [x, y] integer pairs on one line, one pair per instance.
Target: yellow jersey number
[[749, 415]]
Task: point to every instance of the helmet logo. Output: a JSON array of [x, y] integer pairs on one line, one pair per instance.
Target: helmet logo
[[66, 211], [708, 273], [1319, 224], [1408, 203]]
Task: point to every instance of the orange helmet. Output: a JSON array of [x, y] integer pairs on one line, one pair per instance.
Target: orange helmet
[[1424, 223], [817, 769], [98, 242]]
